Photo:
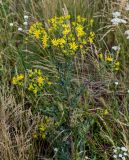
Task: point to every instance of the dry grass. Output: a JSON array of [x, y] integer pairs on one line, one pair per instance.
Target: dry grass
[[15, 129]]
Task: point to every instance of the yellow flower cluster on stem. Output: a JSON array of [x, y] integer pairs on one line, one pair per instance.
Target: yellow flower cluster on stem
[[18, 80], [36, 81], [37, 31], [110, 59], [43, 127], [64, 34]]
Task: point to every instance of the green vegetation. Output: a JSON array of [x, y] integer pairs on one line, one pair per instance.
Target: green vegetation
[[64, 87]]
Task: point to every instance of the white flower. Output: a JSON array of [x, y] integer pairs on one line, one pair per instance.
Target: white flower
[[19, 29], [128, 91], [116, 21], [25, 23], [11, 24], [116, 83], [55, 149], [116, 48], [123, 158], [115, 156], [124, 149], [120, 155], [116, 14], [123, 21], [127, 32], [127, 7], [114, 150], [26, 17], [125, 154]]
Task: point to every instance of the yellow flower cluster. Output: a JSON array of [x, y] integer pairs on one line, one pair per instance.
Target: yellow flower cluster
[[35, 83], [43, 128], [64, 34], [18, 80], [110, 59], [37, 31]]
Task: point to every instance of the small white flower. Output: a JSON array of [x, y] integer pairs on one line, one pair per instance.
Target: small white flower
[[116, 14], [19, 29], [120, 155], [125, 154], [116, 21], [115, 150], [124, 149], [11, 24], [116, 83], [127, 7], [26, 17], [123, 21], [127, 32], [25, 23], [123, 158], [55, 149], [116, 48], [127, 91], [115, 156]]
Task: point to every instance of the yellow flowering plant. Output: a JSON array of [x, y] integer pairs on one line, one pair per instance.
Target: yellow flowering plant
[[43, 128], [64, 34], [36, 82], [18, 80], [110, 60], [37, 31]]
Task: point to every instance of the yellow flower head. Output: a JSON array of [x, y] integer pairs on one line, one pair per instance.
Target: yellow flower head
[[39, 72], [36, 30], [80, 31], [90, 39], [55, 42], [66, 31], [105, 112], [116, 66], [61, 41], [81, 46], [20, 77], [30, 88], [40, 80], [109, 58], [35, 91], [45, 41], [73, 46], [37, 34], [14, 80], [80, 19]]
